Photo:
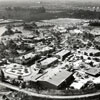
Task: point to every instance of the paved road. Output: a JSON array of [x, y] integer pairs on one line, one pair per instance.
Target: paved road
[[48, 96]]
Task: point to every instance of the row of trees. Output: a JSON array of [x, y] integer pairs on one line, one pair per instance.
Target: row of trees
[[32, 10], [41, 13]]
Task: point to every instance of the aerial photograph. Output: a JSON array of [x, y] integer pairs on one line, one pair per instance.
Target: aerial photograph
[[49, 49]]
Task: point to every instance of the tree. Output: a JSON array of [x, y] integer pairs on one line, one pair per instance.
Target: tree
[[9, 30]]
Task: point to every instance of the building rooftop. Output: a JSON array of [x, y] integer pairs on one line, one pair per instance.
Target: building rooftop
[[29, 55], [63, 52], [79, 84], [91, 50], [48, 61], [97, 80], [56, 78], [45, 49], [93, 71]]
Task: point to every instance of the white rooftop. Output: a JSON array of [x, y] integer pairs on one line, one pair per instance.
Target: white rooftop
[[63, 52], [56, 77], [48, 61]]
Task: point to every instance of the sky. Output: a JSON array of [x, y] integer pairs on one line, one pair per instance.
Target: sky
[[57, 0], [93, 1]]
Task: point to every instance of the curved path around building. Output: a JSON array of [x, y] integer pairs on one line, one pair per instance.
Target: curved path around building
[[50, 97]]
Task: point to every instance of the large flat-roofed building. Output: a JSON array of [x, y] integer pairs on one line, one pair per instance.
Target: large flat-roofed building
[[48, 62], [63, 54], [56, 80]]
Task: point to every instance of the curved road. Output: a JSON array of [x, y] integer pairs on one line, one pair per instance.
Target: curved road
[[49, 96]]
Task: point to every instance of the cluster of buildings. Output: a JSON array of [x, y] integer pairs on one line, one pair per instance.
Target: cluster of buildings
[[47, 66]]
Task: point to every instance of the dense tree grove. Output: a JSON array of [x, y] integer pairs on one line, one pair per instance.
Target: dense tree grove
[[42, 13]]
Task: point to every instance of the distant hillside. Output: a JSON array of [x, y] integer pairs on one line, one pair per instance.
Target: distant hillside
[[27, 9]]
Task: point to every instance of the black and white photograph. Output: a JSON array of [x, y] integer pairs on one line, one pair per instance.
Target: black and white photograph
[[49, 49]]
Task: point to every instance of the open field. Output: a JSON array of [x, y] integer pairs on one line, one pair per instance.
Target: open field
[[64, 21]]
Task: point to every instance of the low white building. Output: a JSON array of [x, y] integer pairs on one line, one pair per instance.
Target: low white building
[[60, 29]]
